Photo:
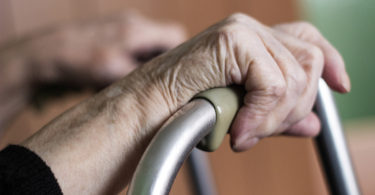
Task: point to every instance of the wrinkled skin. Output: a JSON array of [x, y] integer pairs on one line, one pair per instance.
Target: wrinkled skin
[[279, 68], [94, 147]]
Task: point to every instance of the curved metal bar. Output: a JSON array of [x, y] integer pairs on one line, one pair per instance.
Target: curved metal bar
[[332, 146], [200, 173], [170, 147]]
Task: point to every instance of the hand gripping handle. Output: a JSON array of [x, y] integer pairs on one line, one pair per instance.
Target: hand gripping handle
[[206, 120], [196, 121]]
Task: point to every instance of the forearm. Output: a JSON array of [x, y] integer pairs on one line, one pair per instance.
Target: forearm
[[94, 147]]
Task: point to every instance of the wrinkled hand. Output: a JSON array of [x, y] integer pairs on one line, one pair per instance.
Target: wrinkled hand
[[95, 146], [279, 67]]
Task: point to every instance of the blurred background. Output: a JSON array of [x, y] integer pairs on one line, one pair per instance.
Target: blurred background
[[278, 165]]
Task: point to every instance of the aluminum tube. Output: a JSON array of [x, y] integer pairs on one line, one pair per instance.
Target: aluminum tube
[[200, 173], [332, 146], [169, 148]]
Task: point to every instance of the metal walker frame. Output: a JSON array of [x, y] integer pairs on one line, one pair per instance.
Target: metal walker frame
[[187, 127]]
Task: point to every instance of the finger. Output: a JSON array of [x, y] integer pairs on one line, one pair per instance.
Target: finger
[[296, 81], [334, 70], [265, 85], [309, 126], [311, 59], [249, 143]]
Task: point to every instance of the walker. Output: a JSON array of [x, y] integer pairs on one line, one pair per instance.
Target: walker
[[204, 122]]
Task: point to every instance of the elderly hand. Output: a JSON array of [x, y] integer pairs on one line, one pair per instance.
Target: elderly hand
[[95, 146], [279, 67]]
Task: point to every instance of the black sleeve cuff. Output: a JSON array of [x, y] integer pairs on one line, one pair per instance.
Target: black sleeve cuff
[[24, 172]]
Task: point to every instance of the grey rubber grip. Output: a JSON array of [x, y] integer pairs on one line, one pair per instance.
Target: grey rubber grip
[[226, 102]]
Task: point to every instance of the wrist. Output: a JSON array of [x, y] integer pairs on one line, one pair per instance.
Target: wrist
[[142, 98], [118, 123]]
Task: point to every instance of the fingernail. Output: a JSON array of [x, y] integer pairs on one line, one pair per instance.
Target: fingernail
[[245, 143], [346, 82], [242, 138]]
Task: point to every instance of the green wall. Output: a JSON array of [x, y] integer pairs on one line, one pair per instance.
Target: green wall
[[350, 26]]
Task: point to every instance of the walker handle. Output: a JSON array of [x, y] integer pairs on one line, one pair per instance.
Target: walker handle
[[226, 102]]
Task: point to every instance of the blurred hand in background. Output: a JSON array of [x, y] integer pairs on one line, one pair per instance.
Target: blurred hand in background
[[90, 54]]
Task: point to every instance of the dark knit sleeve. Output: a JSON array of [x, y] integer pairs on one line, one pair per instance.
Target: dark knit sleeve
[[24, 172]]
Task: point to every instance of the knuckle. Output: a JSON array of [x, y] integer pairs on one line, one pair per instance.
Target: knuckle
[[285, 59], [239, 18], [225, 33], [236, 24], [315, 54], [301, 112], [230, 31], [266, 96], [307, 26], [308, 31], [276, 89], [301, 82], [297, 78]]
